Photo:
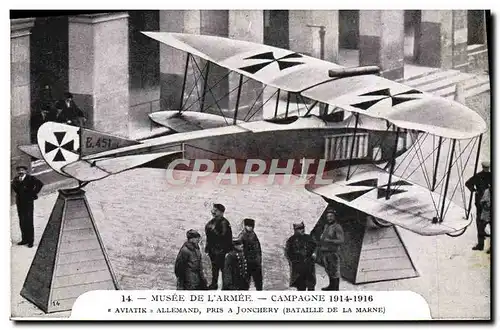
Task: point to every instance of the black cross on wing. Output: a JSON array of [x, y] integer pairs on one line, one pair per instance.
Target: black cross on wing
[[372, 184], [269, 58], [385, 94]]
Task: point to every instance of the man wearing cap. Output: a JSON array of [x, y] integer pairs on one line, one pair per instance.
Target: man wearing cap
[[235, 273], [329, 243], [188, 266], [299, 251], [68, 111], [26, 188], [219, 241], [478, 184], [252, 251]]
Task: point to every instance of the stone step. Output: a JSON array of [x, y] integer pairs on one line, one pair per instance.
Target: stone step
[[444, 83], [469, 85], [476, 47], [419, 75], [429, 79]]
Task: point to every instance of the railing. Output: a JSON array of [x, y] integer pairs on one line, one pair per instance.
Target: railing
[[338, 147]]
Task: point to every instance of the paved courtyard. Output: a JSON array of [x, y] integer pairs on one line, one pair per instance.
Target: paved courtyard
[[143, 219]]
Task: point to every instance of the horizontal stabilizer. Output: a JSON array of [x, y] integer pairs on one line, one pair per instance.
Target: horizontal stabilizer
[[93, 142], [31, 150], [91, 170], [188, 121]]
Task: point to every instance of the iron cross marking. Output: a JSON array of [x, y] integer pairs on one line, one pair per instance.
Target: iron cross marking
[[372, 184], [384, 94], [69, 146], [269, 58]]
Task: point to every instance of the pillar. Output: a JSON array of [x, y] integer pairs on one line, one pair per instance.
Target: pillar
[[247, 25], [381, 41], [20, 88], [99, 69], [436, 39], [460, 59], [173, 61]]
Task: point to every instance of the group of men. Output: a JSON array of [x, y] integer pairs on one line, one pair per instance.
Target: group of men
[[240, 258], [63, 111]]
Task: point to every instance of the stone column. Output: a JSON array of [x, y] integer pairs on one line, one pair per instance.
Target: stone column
[[460, 59], [20, 108], [173, 61], [98, 69], [247, 25], [381, 41], [436, 39]]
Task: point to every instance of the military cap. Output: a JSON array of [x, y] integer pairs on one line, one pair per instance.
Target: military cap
[[298, 225], [485, 164], [68, 95], [21, 167], [331, 210], [249, 222], [237, 241], [220, 207], [191, 233]]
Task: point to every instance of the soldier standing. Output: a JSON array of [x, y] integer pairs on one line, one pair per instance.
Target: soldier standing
[[26, 188], [235, 273], [478, 184], [188, 266], [300, 253], [330, 240], [253, 252], [219, 241]]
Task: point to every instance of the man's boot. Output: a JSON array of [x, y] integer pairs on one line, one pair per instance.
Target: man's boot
[[478, 247], [329, 287], [336, 284]]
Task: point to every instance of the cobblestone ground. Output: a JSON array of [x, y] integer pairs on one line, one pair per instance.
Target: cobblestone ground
[[142, 220]]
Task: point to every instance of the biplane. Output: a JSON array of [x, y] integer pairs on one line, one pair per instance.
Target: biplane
[[368, 129]]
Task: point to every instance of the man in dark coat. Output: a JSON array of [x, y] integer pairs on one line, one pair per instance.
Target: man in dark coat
[[329, 243], [26, 188], [219, 241], [253, 252], [188, 266], [299, 251], [478, 184], [68, 111], [235, 273]]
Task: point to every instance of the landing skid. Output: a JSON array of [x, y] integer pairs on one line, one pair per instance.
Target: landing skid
[[373, 250]]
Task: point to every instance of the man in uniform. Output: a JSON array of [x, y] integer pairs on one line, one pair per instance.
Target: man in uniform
[[478, 184], [329, 243], [188, 266], [68, 111], [235, 273], [26, 188], [300, 248], [253, 252], [219, 241]]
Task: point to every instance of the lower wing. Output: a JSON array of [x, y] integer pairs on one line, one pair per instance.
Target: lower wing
[[409, 206]]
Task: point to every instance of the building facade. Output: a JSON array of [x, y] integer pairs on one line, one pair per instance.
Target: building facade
[[118, 75]]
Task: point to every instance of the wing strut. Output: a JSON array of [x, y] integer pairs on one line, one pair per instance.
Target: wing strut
[[447, 179], [237, 100], [434, 176], [287, 104], [205, 82], [352, 146], [393, 162], [475, 171], [184, 81], [277, 103]]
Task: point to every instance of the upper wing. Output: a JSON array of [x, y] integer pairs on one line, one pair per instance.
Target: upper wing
[[188, 121], [371, 95], [410, 206]]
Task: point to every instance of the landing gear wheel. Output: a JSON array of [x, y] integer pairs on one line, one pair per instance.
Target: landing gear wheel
[[457, 233]]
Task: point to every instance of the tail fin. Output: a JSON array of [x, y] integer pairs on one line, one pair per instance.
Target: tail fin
[[62, 144]]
